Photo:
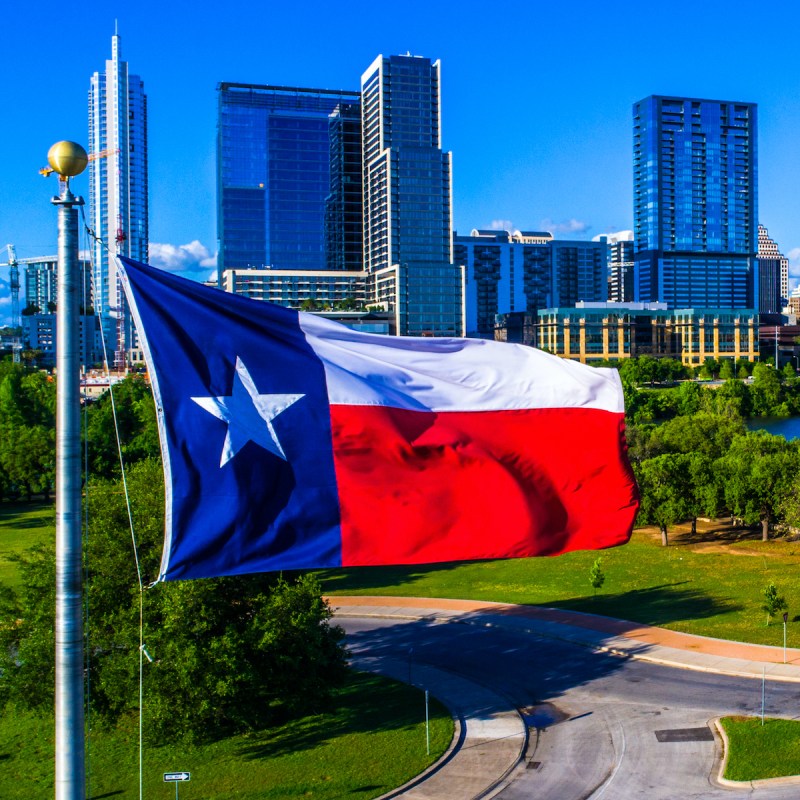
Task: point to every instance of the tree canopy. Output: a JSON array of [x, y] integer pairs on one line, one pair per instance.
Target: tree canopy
[[229, 654]]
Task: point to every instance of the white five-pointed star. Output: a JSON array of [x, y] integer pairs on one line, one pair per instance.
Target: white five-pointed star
[[249, 414]]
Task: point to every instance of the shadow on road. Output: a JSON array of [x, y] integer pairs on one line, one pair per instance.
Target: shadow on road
[[527, 669]]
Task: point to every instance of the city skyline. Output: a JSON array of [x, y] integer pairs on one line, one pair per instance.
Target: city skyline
[[539, 124]]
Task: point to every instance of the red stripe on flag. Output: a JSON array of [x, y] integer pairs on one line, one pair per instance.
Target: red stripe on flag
[[425, 487]]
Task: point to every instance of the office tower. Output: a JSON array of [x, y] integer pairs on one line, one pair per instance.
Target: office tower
[[41, 284], [620, 265], [343, 206], [773, 275], [695, 202], [407, 201], [524, 272], [274, 173], [118, 200]]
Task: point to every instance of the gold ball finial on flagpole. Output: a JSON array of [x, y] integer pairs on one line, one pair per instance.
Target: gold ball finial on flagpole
[[68, 159]]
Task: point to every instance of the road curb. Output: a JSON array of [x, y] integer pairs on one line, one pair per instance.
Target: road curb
[[761, 783], [455, 754], [632, 653]]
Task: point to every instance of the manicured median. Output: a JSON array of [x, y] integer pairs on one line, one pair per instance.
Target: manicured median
[[757, 751], [372, 742]]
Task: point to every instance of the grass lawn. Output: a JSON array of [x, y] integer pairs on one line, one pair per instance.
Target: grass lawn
[[372, 742], [22, 525], [756, 751], [709, 583]]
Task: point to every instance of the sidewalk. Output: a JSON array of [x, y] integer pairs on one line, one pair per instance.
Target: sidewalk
[[491, 737], [630, 639]]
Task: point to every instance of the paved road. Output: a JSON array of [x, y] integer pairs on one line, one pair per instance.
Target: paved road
[[598, 725]]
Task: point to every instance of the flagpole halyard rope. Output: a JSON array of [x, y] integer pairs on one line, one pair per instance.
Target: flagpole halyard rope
[[90, 233], [87, 659]]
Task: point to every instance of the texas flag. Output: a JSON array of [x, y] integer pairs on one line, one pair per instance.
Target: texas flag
[[293, 442]]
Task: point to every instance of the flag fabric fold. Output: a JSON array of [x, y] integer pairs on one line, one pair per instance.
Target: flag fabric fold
[[293, 442]]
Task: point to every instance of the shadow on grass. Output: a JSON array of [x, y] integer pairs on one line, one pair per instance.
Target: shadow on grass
[[363, 579], [654, 605], [107, 794], [721, 533], [10, 513], [366, 704]]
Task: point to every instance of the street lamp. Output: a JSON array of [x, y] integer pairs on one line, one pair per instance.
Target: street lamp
[[785, 620]]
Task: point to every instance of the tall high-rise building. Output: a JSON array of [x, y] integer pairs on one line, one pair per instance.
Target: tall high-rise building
[[118, 198], [274, 147], [523, 272], [620, 265], [408, 251], [41, 284], [695, 202], [344, 229], [773, 275]]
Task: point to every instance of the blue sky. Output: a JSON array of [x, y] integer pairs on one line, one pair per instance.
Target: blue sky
[[536, 99]]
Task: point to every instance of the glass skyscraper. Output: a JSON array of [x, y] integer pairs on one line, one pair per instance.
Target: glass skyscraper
[[118, 196], [407, 197], [523, 272], [344, 206], [695, 202], [274, 147]]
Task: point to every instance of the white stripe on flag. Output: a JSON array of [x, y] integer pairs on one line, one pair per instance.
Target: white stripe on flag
[[453, 374]]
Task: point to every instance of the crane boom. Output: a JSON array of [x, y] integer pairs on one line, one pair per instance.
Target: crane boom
[[13, 282]]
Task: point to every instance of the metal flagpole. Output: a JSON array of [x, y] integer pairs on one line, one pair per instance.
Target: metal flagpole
[[68, 159]]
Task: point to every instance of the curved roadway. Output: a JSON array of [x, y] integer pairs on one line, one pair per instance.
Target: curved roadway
[[598, 725]]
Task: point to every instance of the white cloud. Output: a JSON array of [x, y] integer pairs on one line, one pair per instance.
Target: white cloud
[[501, 225], [794, 262], [567, 226], [192, 257]]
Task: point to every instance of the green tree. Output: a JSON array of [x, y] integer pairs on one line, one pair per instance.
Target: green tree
[[136, 419], [27, 436], [664, 486], [710, 368], [757, 475], [774, 603], [789, 506], [765, 390], [732, 399], [710, 434], [726, 369], [705, 498], [229, 654], [596, 575], [689, 395]]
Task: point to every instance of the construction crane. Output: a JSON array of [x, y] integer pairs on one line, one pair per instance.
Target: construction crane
[[45, 171], [13, 283]]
